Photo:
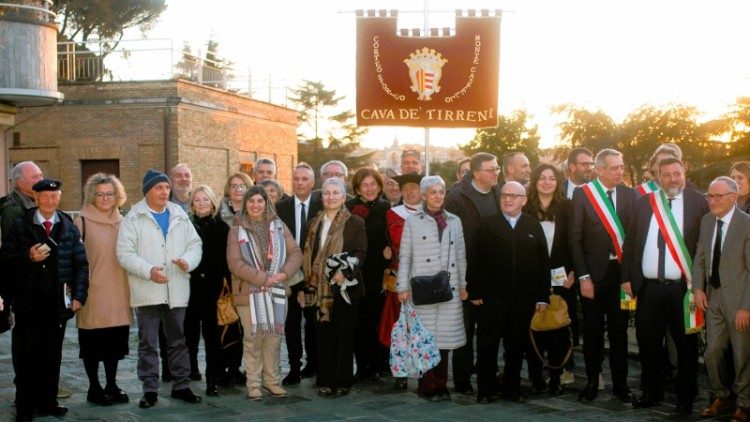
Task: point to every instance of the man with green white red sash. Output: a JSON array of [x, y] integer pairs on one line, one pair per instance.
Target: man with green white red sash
[[601, 210], [660, 242]]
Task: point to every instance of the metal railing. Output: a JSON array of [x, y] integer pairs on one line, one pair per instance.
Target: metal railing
[[156, 59], [35, 10]]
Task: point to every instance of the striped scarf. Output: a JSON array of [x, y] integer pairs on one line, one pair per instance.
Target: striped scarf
[[267, 304]]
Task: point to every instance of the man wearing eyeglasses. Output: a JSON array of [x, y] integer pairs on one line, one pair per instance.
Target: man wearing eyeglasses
[[580, 170], [602, 209], [722, 290], [477, 196], [507, 283], [333, 168], [659, 245]]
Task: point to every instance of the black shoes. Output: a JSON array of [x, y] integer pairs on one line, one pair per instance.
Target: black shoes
[[196, 376], [648, 400], [149, 400], [185, 395], [325, 392], [514, 396], [237, 376], [624, 394], [484, 399], [684, 408], [57, 410], [341, 392], [99, 396], [118, 396], [554, 388], [211, 388], [590, 392], [539, 387], [292, 378], [400, 384], [464, 388]]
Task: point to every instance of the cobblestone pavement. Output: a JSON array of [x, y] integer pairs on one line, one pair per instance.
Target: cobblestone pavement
[[367, 401]]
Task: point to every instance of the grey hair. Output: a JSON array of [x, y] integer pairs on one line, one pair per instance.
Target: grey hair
[[324, 168], [304, 165], [264, 161], [171, 172], [89, 190], [430, 181], [729, 181], [603, 154], [335, 182], [17, 172]]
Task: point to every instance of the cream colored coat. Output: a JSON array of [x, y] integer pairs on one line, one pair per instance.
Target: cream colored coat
[[422, 253], [108, 303]]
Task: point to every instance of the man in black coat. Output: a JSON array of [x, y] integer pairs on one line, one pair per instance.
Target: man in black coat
[[296, 212], [601, 210], [477, 196], [510, 278], [45, 246], [659, 282]]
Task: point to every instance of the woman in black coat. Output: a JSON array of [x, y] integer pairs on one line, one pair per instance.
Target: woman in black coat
[[371, 355], [547, 203], [206, 282]]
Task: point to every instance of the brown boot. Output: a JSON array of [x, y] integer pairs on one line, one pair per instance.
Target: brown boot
[[740, 414], [715, 408]]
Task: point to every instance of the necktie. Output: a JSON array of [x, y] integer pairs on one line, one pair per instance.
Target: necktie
[[662, 249], [302, 225], [715, 280], [609, 195], [47, 227]]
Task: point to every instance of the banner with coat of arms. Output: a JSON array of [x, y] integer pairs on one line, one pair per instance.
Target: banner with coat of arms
[[430, 81]]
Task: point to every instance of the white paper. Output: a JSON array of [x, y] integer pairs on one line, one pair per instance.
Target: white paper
[[559, 277]]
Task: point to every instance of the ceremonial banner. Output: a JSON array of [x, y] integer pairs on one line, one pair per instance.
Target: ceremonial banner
[[436, 81]]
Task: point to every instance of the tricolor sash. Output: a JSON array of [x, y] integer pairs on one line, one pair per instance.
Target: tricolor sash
[[648, 187], [611, 222], [675, 243]]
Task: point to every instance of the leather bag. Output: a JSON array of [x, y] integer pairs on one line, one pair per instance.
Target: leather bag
[[226, 312], [431, 289]]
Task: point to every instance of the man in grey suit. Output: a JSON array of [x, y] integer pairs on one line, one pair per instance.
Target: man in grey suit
[[722, 290]]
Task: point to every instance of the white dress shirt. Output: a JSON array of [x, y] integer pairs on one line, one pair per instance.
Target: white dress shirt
[[572, 187], [650, 263], [726, 219], [298, 216]]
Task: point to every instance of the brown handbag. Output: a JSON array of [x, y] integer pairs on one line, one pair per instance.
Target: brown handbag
[[554, 317], [226, 312], [389, 281]]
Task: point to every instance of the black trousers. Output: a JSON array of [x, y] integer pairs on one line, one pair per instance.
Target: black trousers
[[659, 306], [336, 345], [370, 354], [37, 352], [606, 305], [293, 333], [507, 319], [463, 357], [203, 321]]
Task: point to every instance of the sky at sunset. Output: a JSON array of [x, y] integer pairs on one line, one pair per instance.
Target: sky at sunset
[[609, 55]]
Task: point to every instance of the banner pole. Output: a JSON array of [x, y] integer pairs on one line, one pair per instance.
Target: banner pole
[[426, 129]]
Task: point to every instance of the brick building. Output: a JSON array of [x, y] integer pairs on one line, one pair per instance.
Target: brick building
[[126, 128]]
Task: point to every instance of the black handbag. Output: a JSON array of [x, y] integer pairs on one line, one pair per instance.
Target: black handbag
[[431, 289]]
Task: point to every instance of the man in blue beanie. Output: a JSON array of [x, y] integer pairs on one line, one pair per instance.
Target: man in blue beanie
[[158, 247]]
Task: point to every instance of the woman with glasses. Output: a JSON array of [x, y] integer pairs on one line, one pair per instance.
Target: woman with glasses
[[206, 282], [547, 204], [432, 241], [234, 190], [335, 296], [372, 357], [104, 321]]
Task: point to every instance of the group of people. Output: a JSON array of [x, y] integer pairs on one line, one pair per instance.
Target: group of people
[[319, 262]]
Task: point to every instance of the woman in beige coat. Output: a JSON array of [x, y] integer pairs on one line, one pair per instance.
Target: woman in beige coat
[[433, 240], [262, 255], [104, 321]]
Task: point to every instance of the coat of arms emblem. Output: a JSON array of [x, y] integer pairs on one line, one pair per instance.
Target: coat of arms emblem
[[425, 71]]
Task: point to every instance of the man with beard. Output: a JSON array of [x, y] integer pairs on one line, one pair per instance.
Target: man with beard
[[580, 170], [667, 221], [182, 181]]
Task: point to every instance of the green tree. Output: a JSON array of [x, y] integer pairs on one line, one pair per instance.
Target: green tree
[[739, 119], [107, 20], [512, 133], [594, 130], [326, 132], [444, 169]]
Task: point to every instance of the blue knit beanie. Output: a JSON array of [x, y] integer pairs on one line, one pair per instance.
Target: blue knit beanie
[[153, 177]]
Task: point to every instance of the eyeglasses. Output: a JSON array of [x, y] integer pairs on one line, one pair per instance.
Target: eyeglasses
[[494, 169], [717, 195], [332, 174], [108, 195], [586, 164], [512, 196], [238, 187]]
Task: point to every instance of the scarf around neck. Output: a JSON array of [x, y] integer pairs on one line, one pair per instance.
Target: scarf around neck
[[318, 291], [439, 217]]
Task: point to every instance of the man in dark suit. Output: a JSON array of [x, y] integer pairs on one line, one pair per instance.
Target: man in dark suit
[[722, 290], [295, 212], [658, 280], [601, 209], [509, 279], [580, 164]]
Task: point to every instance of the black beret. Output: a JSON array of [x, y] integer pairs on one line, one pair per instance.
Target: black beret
[[407, 178], [47, 184]]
